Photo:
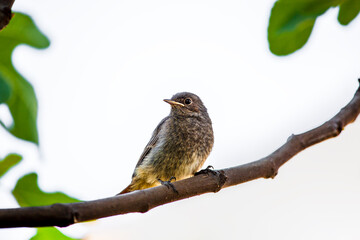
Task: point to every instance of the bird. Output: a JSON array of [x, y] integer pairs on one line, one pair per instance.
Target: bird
[[179, 145]]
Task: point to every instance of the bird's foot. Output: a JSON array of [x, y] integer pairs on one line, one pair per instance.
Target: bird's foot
[[207, 171], [168, 184]]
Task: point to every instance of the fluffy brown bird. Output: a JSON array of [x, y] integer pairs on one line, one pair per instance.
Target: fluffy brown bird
[[179, 145]]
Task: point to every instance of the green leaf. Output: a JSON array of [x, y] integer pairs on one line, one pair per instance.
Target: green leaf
[[349, 9], [50, 233], [15, 91], [291, 23], [8, 162], [4, 90], [28, 193]]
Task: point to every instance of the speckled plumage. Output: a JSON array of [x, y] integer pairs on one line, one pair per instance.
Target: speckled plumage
[[179, 145]]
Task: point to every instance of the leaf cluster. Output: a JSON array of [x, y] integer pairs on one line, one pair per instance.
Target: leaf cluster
[[292, 21], [19, 96]]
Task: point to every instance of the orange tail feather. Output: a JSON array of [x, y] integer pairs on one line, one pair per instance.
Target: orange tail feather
[[127, 189]]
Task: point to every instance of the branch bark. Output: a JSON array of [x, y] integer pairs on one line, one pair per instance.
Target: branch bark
[[5, 12], [142, 201]]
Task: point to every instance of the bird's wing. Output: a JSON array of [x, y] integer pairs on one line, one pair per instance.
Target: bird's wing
[[153, 140]]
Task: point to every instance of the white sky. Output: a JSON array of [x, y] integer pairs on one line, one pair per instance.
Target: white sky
[[100, 87]]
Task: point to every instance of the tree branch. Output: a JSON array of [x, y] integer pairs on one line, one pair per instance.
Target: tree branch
[[5, 12], [142, 201]]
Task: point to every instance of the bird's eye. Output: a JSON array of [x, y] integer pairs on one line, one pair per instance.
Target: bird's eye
[[188, 101]]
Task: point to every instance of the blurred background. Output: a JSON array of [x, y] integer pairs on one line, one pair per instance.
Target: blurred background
[[100, 87]]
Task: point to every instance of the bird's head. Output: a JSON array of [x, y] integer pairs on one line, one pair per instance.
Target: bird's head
[[186, 104]]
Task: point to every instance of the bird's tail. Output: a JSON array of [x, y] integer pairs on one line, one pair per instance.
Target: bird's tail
[[127, 189], [138, 184]]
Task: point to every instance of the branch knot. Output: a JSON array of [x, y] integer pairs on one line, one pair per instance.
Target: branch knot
[[221, 179]]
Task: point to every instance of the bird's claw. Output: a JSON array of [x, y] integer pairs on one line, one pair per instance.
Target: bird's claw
[[168, 184], [172, 178], [206, 171]]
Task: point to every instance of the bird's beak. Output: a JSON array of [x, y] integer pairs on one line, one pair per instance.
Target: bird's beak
[[173, 103]]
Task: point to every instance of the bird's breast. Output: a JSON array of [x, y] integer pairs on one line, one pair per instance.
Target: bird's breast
[[182, 148]]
